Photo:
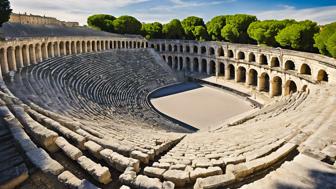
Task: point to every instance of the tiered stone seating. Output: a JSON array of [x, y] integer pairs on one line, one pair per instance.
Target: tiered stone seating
[[93, 109]]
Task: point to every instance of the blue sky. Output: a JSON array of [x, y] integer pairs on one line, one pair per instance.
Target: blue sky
[[321, 11]]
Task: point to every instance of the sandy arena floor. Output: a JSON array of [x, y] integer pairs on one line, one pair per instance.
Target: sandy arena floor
[[202, 107]]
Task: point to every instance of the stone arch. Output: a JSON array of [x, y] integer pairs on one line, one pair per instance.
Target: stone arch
[[50, 49], [305, 69], [220, 51], [84, 47], [252, 57], [203, 50], [263, 60], [175, 48], [32, 58], [241, 55], [181, 48], [289, 65], [204, 66], [221, 69], [181, 63], [253, 77], [139, 44], [188, 49], [163, 47], [170, 61], [241, 74], [212, 67], [18, 57], [264, 82], [232, 72], [188, 64], [290, 87], [276, 86], [4, 65], [158, 47], [98, 46], [195, 49], [123, 44], [73, 48], [67, 48], [211, 51], [119, 44], [175, 62], [25, 55], [170, 48], [78, 48], [111, 44], [322, 76], [230, 54], [38, 56], [275, 63], [11, 58], [56, 49], [196, 65], [44, 51], [94, 46]]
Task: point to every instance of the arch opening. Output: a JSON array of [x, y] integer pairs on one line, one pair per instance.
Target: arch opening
[[264, 83], [253, 78], [241, 56], [275, 62], [263, 60], [290, 87], [289, 65], [221, 69], [276, 86], [232, 72], [305, 69], [322, 76], [252, 57], [241, 75]]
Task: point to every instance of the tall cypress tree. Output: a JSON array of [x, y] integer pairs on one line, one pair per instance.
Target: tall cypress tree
[[5, 11]]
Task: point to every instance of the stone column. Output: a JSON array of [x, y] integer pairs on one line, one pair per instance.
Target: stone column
[[52, 50], [27, 57], [40, 54], [5, 62], [33, 57], [236, 75], [13, 63], [45, 50], [20, 60], [58, 51], [227, 72]]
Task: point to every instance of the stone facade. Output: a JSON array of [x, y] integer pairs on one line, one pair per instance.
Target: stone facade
[[39, 20]]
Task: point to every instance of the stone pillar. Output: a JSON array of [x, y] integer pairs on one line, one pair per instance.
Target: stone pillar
[[52, 50], [5, 62], [45, 51], [227, 72], [33, 57], [237, 74], [104, 45], [217, 68], [13, 63], [20, 60], [40, 54], [208, 67], [58, 51], [80, 47], [27, 57]]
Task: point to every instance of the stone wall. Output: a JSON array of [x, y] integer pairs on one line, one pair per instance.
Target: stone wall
[[39, 20]]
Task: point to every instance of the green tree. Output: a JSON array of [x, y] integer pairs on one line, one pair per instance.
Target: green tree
[[152, 30], [236, 26], [173, 30], [264, 32], [5, 11], [127, 25], [298, 36], [189, 25], [200, 33], [331, 45], [215, 26], [101, 21], [321, 39]]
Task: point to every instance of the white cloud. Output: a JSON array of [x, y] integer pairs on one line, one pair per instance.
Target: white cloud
[[322, 15], [70, 10]]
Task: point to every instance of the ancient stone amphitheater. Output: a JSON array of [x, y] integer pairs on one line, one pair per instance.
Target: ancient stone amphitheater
[[75, 113]]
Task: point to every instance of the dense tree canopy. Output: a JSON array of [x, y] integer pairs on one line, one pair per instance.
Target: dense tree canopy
[[173, 30], [322, 38], [239, 28], [189, 24], [152, 30], [101, 21], [5, 11], [236, 26], [298, 36], [127, 24], [264, 32], [215, 26]]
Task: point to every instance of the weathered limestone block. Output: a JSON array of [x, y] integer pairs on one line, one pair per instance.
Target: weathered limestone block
[[118, 161], [161, 165], [94, 148], [44, 136], [128, 177], [234, 160], [168, 185], [101, 174], [217, 181], [71, 151], [178, 167], [154, 172], [202, 172], [24, 140], [179, 178], [69, 180], [13, 177], [330, 151], [144, 158], [142, 181], [43, 161]]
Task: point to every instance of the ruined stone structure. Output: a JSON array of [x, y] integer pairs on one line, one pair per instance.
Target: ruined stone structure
[[39, 20], [77, 108]]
